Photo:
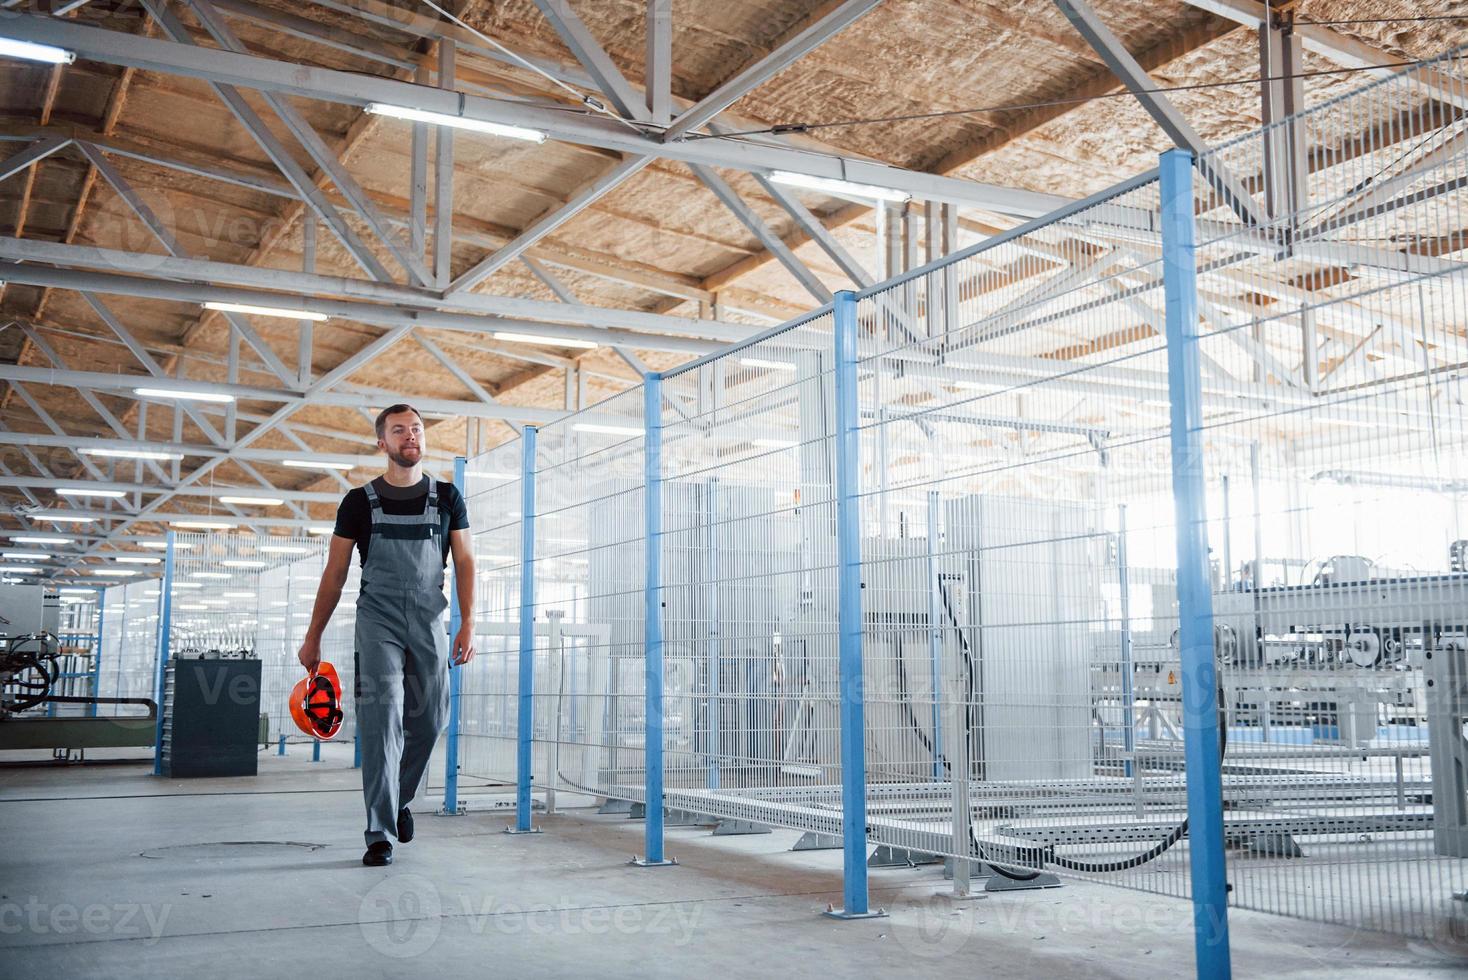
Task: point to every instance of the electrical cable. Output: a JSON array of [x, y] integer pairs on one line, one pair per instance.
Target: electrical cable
[[590, 101], [785, 128], [1069, 864]]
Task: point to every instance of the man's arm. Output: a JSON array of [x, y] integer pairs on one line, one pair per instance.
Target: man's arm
[[462, 549], [328, 594]]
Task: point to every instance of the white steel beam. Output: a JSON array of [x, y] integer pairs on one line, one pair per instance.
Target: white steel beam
[[658, 73], [348, 88], [766, 235], [124, 383], [840, 17], [1345, 51], [268, 142], [31, 155], [333, 295], [548, 223], [591, 56], [1163, 112], [212, 491]]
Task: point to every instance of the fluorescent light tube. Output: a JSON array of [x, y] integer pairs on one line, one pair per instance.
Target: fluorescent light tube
[[134, 559], [255, 501], [457, 122], [163, 545], [30, 51], [130, 454], [186, 396], [63, 519], [90, 492], [38, 539], [111, 572], [320, 529], [20, 569], [25, 555], [838, 188], [204, 525], [316, 464], [285, 314], [534, 338]]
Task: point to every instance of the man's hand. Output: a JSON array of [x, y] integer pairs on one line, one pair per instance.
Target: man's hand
[[463, 651], [310, 654]]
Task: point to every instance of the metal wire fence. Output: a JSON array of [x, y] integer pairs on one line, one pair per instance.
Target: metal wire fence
[[1003, 464], [1336, 521]]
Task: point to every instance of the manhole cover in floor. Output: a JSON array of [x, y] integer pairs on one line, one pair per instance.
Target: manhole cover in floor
[[233, 850]]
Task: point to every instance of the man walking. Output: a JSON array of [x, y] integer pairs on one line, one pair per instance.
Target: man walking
[[404, 526]]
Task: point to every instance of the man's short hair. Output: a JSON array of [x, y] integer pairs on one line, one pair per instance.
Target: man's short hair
[[397, 409]]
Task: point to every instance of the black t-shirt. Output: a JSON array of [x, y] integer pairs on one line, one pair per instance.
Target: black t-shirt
[[354, 515]]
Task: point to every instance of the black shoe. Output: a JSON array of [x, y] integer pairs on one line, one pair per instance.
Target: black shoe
[[378, 854], [405, 825]]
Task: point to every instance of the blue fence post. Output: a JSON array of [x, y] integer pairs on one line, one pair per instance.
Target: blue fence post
[[1195, 601], [652, 605], [849, 654], [356, 750], [525, 714], [165, 618], [451, 736]]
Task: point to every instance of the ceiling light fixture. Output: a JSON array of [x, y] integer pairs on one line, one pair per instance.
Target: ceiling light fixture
[[129, 453], [837, 187], [534, 338], [183, 395], [30, 51], [283, 313], [457, 122]]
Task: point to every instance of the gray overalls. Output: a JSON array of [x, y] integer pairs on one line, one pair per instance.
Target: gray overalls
[[402, 689]]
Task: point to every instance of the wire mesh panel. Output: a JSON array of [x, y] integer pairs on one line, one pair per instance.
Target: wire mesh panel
[[749, 590], [588, 610], [1334, 310], [1017, 554], [488, 702], [129, 656]]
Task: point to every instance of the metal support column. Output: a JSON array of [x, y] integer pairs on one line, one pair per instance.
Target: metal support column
[[165, 618], [652, 601], [451, 736], [1195, 603], [525, 717], [849, 654]]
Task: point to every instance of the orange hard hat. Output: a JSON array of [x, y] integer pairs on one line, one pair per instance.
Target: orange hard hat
[[316, 702]]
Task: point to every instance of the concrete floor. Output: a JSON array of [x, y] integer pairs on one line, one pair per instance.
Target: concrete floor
[[107, 871]]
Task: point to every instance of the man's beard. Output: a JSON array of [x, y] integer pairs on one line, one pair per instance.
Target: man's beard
[[404, 461]]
